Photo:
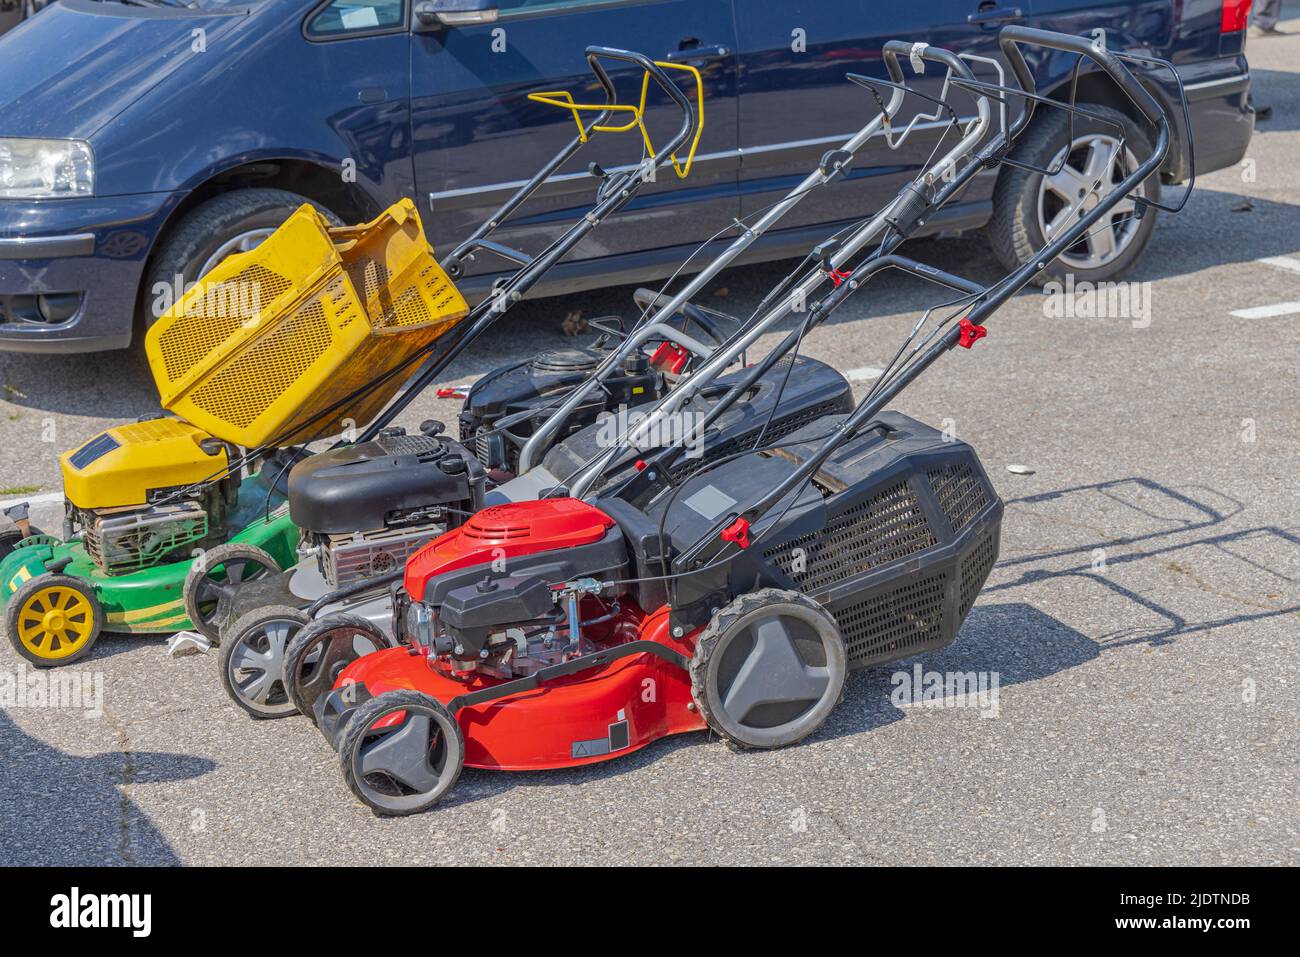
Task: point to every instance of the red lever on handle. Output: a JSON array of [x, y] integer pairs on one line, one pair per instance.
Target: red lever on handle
[[738, 532], [970, 333]]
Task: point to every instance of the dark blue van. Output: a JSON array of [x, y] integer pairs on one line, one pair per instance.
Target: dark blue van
[[145, 139]]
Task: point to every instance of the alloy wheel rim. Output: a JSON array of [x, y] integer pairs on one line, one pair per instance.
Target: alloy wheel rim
[[241, 243], [1089, 169]]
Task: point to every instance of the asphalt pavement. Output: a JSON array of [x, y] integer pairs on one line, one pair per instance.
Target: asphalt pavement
[[1143, 620]]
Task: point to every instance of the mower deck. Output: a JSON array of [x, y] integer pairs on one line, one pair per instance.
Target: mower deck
[[584, 718]]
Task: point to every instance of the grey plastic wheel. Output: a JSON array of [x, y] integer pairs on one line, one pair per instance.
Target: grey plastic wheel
[[252, 660], [768, 669], [405, 768]]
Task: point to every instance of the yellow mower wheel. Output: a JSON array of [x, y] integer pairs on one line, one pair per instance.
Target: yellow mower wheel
[[53, 620]]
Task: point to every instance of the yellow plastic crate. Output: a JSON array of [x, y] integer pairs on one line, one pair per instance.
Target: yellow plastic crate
[[274, 336]]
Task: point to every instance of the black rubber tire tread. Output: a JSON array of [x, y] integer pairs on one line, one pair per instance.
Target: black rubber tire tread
[[11, 537], [301, 644], [712, 634], [367, 715], [216, 556]]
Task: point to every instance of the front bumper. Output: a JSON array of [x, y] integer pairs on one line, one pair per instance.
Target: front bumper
[[86, 257]]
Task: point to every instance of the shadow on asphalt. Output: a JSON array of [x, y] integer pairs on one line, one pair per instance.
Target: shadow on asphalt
[[63, 810], [1183, 511]]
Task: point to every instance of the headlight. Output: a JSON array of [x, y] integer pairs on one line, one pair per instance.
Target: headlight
[[45, 169]]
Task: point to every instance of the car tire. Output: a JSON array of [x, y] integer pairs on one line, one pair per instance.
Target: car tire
[[227, 223], [1023, 204]]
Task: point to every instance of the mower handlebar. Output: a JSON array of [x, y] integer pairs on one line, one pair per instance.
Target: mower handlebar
[[1011, 38], [921, 51], [690, 120], [709, 548]]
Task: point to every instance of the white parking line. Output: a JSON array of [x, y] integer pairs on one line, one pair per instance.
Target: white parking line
[[1267, 312], [1282, 262], [42, 499]]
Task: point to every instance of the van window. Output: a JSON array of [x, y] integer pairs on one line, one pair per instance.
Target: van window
[[342, 17]]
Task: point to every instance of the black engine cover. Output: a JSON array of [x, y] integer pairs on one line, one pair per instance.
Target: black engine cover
[[812, 390], [376, 484], [471, 613], [521, 395]]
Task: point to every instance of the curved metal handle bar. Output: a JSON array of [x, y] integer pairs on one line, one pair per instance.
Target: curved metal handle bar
[[597, 54], [892, 140], [1187, 125], [1010, 37], [916, 53], [921, 51], [684, 171], [563, 99], [665, 308], [582, 483], [616, 192]]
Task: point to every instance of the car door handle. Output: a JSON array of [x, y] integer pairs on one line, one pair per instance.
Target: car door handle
[[988, 14], [698, 54]]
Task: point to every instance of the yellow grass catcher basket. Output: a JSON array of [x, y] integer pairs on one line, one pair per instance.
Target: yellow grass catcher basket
[[272, 337]]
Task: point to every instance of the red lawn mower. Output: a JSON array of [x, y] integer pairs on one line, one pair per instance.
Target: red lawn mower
[[590, 622]]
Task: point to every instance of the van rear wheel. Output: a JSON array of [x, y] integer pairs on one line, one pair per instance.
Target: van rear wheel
[[1030, 209]]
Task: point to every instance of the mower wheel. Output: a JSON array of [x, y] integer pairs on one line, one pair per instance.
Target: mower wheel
[[10, 538], [318, 654], [407, 765], [768, 669], [213, 578], [53, 620], [252, 659]]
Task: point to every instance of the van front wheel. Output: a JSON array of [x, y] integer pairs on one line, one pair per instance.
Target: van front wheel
[[228, 223]]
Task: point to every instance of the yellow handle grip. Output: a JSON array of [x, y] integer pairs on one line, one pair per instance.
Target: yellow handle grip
[[564, 100], [683, 172]]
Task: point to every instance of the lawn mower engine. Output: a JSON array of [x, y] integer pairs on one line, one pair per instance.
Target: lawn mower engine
[[364, 509], [138, 493], [505, 407], [475, 619]]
